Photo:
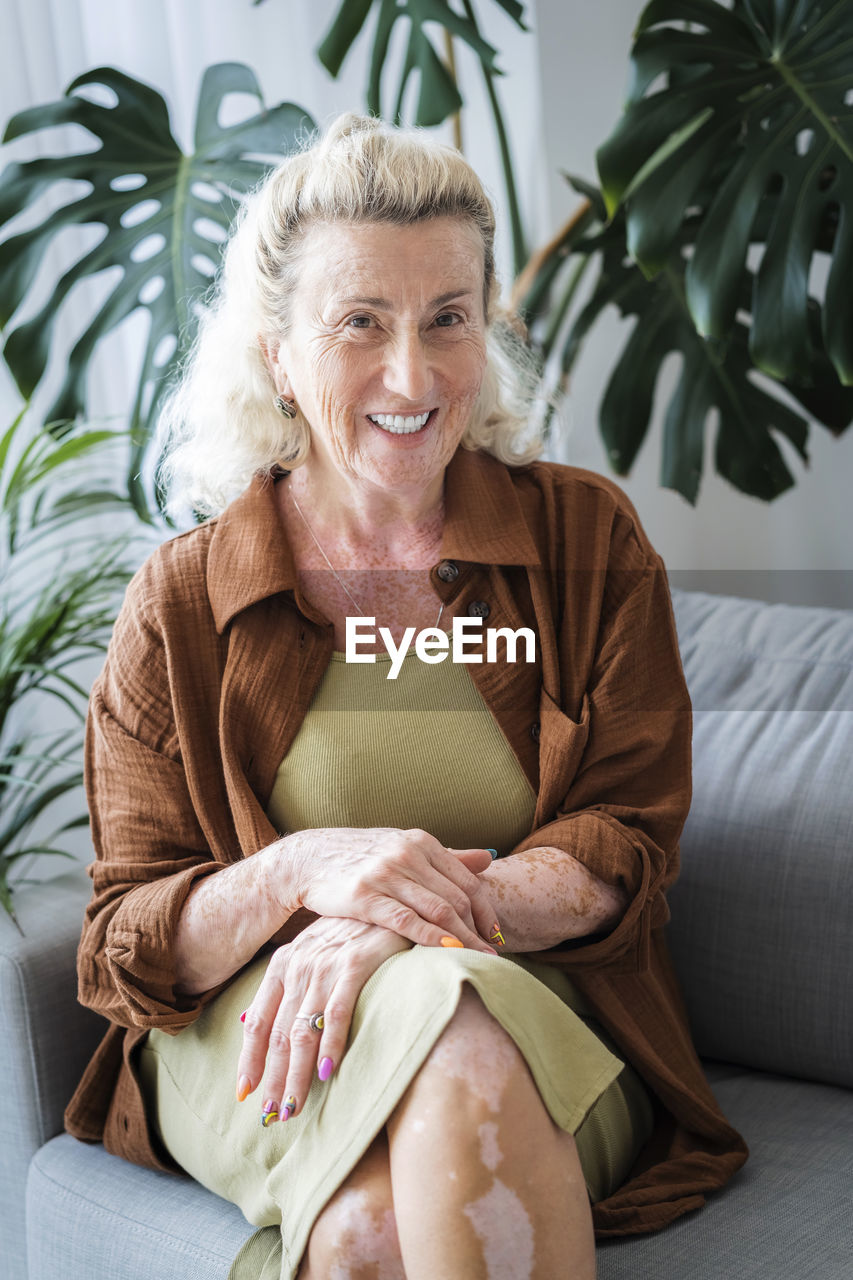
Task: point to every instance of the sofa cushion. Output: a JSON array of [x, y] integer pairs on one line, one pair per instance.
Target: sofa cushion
[[93, 1214], [47, 1039], [760, 932], [788, 1215]]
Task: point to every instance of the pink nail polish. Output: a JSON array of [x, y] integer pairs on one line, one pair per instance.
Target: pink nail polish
[[325, 1068], [243, 1015]]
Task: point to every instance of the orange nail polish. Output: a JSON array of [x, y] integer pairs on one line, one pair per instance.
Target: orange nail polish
[[244, 1088], [451, 942]]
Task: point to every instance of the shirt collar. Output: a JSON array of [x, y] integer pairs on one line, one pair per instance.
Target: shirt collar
[[250, 557]]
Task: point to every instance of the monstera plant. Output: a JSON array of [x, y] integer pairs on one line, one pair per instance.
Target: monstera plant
[[438, 91], [163, 216], [736, 140], [744, 150], [719, 229]]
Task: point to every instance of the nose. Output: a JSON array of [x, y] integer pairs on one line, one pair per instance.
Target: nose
[[407, 369]]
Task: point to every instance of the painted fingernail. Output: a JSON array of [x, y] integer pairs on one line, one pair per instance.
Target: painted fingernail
[[496, 936], [244, 1088], [493, 852], [451, 942], [243, 1015], [269, 1115], [325, 1068], [289, 1107]]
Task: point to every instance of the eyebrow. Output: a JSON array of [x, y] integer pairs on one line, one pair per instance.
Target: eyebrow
[[440, 301]]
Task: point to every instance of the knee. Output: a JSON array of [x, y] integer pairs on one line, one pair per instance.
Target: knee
[[352, 1234], [476, 1053]]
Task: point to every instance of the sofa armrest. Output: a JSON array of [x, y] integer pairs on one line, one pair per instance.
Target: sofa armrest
[[46, 1037]]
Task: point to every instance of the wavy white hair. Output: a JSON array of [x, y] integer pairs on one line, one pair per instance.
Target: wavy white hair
[[219, 425]]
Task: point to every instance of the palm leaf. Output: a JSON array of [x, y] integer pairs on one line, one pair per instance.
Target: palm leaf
[[756, 99], [716, 378], [164, 215], [438, 95]]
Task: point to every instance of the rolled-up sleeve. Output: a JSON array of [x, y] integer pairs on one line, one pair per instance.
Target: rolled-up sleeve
[[149, 845], [627, 767]]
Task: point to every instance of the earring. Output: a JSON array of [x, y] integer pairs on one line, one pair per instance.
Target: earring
[[287, 407]]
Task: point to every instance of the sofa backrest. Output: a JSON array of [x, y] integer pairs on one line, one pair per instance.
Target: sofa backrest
[[762, 927]]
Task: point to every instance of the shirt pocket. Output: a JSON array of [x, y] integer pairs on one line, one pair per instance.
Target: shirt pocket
[[562, 742]]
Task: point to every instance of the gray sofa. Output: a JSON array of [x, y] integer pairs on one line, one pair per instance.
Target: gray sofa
[[762, 935]]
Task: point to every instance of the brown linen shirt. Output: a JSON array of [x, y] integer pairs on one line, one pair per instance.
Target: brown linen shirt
[[213, 663]]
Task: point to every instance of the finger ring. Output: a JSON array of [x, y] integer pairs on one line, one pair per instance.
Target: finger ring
[[316, 1021]]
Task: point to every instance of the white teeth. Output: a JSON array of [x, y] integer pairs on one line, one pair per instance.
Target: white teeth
[[397, 424]]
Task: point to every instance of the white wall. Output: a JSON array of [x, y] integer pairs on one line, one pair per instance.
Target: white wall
[[798, 548]]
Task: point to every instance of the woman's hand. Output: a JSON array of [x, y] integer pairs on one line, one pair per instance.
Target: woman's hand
[[405, 881], [322, 970]]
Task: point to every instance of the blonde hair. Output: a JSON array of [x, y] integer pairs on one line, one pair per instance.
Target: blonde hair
[[219, 425]]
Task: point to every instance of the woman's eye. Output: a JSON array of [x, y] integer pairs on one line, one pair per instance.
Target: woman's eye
[[359, 322], [447, 319]]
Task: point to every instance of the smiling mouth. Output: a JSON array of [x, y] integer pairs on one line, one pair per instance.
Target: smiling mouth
[[398, 424]]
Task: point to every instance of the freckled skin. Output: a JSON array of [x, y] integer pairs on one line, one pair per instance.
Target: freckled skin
[[545, 895]]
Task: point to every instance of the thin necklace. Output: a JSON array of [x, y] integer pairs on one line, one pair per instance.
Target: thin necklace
[[337, 576]]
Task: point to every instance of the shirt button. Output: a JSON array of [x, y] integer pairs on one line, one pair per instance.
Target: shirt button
[[448, 571], [534, 731], [478, 609]]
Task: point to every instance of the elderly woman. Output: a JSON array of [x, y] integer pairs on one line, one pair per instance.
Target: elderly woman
[[378, 924]]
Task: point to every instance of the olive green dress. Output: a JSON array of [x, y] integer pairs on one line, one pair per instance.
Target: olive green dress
[[419, 751]]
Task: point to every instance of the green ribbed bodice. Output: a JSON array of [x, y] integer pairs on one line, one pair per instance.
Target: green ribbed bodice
[[419, 751]]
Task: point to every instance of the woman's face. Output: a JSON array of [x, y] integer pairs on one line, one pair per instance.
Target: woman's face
[[386, 349]]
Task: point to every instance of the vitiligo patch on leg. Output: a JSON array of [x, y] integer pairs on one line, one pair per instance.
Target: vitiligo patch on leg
[[490, 1153], [481, 1054], [364, 1240], [503, 1227]]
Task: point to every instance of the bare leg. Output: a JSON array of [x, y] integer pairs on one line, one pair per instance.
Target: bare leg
[[355, 1237], [485, 1185]]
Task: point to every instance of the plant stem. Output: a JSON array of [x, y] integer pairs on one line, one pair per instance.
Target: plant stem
[[556, 320], [519, 247], [450, 57]]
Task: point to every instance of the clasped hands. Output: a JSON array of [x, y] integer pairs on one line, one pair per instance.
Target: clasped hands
[[377, 891]]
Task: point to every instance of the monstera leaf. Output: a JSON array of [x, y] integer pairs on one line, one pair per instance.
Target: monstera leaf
[[758, 95], [164, 215], [438, 95], [714, 376]]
